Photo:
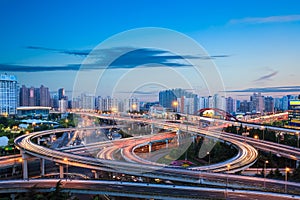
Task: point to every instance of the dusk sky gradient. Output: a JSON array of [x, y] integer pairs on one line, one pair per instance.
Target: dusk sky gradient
[[254, 44]]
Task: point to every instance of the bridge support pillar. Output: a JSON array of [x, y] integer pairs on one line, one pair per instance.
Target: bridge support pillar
[[39, 141], [167, 143], [42, 166], [61, 171], [152, 128], [12, 196], [297, 163], [24, 165], [69, 135], [96, 175], [150, 147]]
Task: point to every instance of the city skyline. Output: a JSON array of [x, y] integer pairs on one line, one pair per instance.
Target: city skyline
[[254, 48]]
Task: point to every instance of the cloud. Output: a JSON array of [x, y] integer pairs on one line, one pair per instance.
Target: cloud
[[28, 68], [140, 92], [280, 89], [266, 77], [101, 59], [264, 20], [69, 52]]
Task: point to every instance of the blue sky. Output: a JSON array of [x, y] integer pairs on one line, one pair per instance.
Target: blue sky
[[257, 42]]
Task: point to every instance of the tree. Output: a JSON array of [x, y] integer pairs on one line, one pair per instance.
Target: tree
[[277, 174], [58, 193], [31, 194]]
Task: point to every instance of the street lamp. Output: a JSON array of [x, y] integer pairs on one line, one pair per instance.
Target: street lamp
[[266, 162], [175, 104], [286, 178], [255, 136], [208, 157], [134, 107]]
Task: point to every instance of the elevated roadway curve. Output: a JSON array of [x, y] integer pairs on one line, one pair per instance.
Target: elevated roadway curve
[[169, 173]]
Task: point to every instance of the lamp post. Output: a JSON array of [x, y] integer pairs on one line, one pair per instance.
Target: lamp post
[[265, 164], [175, 104], [134, 106], [286, 178], [208, 157]]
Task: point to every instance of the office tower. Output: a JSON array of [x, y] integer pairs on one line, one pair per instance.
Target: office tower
[[35, 96], [269, 104], [230, 105], [61, 94], [8, 94], [258, 104], [44, 96], [167, 97], [131, 104], [24, 96], [87, 101], [63, 105]]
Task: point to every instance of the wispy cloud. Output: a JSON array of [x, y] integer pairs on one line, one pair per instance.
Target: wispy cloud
[[263, 20], [280, 89], [28, 68], [63, 51], [266, 77], [103, 59]]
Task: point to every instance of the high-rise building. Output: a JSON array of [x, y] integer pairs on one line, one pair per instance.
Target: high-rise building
[[230, 105], [61, 94], [258, 104], [24, 94], [63, 105], [35, 96], [44, 96], [168, 97], [87, 101], [131, 104], [294, 113], [8, 94], [269, 104], [187, 105]]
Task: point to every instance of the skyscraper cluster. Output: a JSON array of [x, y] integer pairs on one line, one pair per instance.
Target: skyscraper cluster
[[35, 96]]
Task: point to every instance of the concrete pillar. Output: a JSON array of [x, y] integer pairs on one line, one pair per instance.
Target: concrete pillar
[[42, 166], [39, 141], [167, 143], [24, 165], [12, 196], [96, 175], [150, 147], [25, 169], [69, 135], [297, 163], [13, 170], [152, 128], [61, 171]]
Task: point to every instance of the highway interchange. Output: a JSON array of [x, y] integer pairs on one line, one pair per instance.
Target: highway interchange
[[135, 165]]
